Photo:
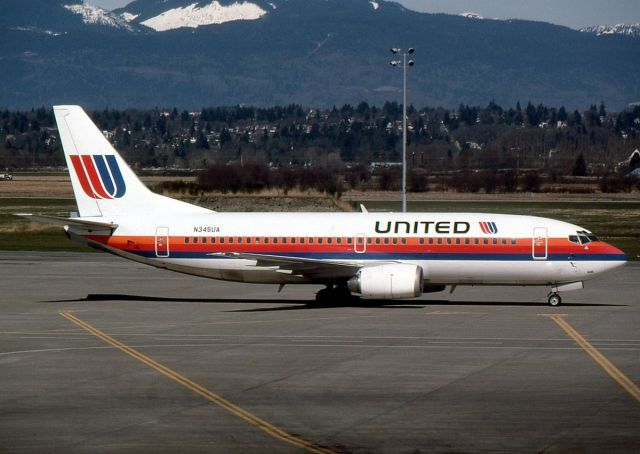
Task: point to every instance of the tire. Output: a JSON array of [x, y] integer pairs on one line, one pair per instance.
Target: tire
[[324, 295], [554, 300]]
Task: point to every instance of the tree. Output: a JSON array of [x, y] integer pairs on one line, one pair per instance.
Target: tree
[[634, 162], [580, 167], [531, 182], [602, 111], [562, 114]]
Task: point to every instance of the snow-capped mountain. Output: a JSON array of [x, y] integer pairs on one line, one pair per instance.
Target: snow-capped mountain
[[59, 17], [196, 15], [94, 15], [311, 52], [618, 29], [165, 15], [471, 15]]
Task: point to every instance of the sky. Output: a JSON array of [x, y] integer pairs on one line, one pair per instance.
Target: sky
[[571, 13]]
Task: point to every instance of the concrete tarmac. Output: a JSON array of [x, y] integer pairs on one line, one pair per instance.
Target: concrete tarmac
[[102, 355]]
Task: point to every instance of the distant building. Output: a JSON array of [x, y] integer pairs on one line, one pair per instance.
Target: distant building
[[385, 164]]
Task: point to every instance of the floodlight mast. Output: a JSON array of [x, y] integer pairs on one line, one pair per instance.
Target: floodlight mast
[[405, 65]]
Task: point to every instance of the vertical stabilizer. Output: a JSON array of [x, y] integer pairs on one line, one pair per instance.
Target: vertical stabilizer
[[103, 183]]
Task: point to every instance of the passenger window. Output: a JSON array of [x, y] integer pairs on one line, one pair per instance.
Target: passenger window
[[230, 240], [311, 240], [186, 240], [430, 240], [377, 240], [320, 240], [301, 240], [293, 240], [369, 241], [467, 241], [349, 240], [439, 240], [266, 240], [284, 240], [386, 241], [195, 240], [404, 241], [213, 239], [248, 240], [448, 240], [421, 240], [275, 240], [504, 241], [476, 241], [513, 241], [485, 241], [204, 239], [239, 239], [495, 241], [339, 240], [222, 240], [457, 240]]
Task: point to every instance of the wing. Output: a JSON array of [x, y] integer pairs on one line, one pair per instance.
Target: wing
[[313, 268], [55, 220]]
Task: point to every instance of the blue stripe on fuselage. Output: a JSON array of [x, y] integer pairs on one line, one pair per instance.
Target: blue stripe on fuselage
[[402, 256]]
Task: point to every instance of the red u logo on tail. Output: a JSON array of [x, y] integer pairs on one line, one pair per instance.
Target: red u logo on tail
[[99, 176]]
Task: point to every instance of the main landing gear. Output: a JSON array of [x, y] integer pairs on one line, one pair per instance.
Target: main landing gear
[[331, 294], [554, 299]]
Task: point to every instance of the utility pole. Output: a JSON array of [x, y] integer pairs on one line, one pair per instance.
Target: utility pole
[[404, 64]]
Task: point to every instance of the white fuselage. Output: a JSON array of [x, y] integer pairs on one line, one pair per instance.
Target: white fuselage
[[451, 248]]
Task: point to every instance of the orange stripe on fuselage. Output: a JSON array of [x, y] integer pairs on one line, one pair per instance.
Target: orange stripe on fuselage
[[411, 245]]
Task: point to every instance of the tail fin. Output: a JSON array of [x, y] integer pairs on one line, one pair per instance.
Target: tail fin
[[103, 183]]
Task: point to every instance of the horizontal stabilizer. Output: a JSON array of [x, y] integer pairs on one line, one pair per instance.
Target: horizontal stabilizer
[[56, 220]]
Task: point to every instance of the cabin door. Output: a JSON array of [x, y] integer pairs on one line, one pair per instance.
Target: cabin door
[[162, 241], [539, 247], [360, 243]]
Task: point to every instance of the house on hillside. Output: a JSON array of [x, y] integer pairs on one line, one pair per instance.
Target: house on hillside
[[632, 162]]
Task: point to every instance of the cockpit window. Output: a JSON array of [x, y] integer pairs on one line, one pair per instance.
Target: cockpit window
[[583, 237]]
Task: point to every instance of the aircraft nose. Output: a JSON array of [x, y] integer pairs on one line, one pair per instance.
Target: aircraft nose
[[616, 256]]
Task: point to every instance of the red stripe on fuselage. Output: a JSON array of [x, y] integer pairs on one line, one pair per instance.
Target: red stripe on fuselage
[[523, 246]]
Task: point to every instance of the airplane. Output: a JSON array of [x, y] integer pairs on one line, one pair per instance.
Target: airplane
[[361, 255]]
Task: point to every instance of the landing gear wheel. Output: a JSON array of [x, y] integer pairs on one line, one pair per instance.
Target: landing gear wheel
[[554, 299], [341, 292], [324, 295], [334, 295]]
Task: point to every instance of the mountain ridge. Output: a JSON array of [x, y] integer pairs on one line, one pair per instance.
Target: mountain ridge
[[310, 52]]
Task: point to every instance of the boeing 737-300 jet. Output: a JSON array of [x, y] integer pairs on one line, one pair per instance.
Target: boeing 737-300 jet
[[372, 255]]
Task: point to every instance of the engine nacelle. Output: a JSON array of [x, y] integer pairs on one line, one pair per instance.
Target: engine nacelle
[[388, 282]]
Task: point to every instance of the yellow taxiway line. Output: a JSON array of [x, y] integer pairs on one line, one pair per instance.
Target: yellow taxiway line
[[252, 419], [599, 358]]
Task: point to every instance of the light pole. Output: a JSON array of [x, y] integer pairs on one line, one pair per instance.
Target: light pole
[[404, 64]]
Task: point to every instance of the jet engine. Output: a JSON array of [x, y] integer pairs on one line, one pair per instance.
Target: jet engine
[[389, 281]]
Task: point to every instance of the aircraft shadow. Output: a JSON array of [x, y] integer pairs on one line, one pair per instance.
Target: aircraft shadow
[[287, 305]]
